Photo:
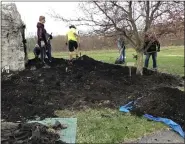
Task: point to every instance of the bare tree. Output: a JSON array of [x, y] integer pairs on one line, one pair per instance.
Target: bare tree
[[130, 19]]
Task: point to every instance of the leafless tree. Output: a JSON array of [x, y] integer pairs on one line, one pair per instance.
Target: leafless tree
[[130, 19]]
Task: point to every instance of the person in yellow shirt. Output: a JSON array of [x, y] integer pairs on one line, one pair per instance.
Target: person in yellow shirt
[[72, 41]]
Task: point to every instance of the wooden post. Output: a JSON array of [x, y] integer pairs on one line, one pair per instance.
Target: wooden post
[[130, 64], [130, 73]]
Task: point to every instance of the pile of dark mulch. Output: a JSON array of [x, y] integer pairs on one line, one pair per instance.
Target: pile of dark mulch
[[162, 102], [38, 92], [30, 133]]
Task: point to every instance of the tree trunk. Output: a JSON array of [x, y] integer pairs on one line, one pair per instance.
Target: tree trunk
[[139, 70]]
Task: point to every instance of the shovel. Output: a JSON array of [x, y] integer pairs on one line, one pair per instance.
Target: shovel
[[130, 65]]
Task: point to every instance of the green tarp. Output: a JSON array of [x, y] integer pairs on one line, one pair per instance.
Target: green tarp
[[67, 135]]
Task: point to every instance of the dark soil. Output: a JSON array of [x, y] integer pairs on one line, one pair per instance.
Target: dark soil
[[87, 83], [165, 102]]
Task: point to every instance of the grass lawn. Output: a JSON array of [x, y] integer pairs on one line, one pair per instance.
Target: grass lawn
[[116, 127], [92, 127]]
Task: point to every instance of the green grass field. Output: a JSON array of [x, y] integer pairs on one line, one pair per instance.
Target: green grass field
[[120, 127]]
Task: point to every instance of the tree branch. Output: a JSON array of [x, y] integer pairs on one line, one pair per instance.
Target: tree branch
[[133, 24]]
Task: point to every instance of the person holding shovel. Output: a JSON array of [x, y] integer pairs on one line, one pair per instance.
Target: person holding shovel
[[151, 47], [72, 41]]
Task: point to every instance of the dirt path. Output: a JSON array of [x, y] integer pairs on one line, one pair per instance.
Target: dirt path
[[164, 136]]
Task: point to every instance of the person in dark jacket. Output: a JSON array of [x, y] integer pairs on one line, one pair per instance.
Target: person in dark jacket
[[151, 47], [41, 34]]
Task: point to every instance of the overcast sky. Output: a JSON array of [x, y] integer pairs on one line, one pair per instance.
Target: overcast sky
[[30, 12]]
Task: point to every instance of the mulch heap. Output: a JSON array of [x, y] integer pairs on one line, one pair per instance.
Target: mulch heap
[[30, 133], [38, 92]]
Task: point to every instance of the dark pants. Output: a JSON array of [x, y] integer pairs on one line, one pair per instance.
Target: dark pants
[[154, 58], [122, 55], [48, 51], [72, 45], [43, 53], [121, 58]]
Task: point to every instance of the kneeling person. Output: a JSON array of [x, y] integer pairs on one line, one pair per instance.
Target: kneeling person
[[36, 51]]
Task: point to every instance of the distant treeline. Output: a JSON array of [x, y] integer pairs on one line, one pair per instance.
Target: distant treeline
[[98, 43]]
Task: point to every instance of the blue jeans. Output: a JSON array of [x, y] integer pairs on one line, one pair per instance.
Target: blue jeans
[[122, 55], [154, 58]]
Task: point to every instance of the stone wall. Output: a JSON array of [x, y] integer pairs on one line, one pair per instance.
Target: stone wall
[[12, 47]]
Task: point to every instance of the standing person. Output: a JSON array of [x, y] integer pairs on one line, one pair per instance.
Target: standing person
[[48, 48], [41, 34], [151, 47], [72, 41], [121, 47]]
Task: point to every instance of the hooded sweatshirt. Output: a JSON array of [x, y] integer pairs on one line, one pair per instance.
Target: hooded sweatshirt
[[152, 46], [41, 33]]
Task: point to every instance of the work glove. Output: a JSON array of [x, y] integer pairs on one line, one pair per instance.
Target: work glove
[[158, 50]]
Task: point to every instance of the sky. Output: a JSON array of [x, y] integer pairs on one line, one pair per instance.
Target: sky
[[30, 12]]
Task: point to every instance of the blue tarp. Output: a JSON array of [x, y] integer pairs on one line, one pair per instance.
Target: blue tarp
[[168, 122], [126, 108], [176, 127]]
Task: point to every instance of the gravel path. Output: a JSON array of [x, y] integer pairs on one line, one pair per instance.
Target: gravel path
[[163, 136]]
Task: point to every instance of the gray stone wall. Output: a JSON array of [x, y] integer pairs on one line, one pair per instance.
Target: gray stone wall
[[12, 49]]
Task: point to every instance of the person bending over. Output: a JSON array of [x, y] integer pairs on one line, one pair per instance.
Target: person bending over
[[151, 47]]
